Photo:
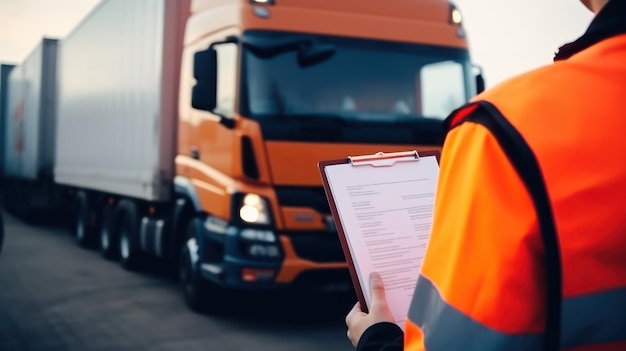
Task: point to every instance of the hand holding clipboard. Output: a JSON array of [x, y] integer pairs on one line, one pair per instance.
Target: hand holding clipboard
[[382, 205]]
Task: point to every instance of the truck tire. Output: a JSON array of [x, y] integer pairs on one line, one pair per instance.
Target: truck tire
[[108, 241], [200, 296], [181, 215], [82, 231], [127, 231]]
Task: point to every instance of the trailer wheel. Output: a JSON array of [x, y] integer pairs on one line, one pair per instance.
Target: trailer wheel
[[82, 230], [108, 241], [127, 226], [80, 227], [200, 296]]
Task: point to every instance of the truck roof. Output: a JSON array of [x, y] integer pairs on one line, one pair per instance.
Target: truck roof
[[416, 21], [421, 10]]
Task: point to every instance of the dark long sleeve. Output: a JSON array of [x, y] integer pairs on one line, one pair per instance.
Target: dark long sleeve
[[382, 337]]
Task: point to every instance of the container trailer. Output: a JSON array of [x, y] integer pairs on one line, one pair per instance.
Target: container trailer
[[29, 127], [190, 130]]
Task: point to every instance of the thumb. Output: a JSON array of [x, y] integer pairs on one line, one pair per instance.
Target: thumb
[[377, 289], [379, 311]]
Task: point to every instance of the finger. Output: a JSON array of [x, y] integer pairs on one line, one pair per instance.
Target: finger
[[355, 309], [377, 288], [379, 309]]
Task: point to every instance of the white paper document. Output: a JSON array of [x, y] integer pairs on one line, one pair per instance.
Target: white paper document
[[386, 215]]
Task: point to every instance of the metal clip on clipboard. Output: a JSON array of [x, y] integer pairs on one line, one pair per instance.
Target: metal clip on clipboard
[[381, 159]]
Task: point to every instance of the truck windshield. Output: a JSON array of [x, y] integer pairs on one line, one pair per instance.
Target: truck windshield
[[363, 81]]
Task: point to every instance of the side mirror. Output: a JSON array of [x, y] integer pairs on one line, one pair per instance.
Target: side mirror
[[480, 83], [480, 80], [204, 93]]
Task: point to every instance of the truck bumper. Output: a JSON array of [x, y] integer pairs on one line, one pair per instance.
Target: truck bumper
[[224, 259]]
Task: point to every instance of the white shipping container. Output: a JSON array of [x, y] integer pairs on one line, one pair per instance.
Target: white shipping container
[[30, 119], [118, 99]]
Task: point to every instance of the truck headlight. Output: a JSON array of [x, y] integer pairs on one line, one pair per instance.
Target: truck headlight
[[254, 210]]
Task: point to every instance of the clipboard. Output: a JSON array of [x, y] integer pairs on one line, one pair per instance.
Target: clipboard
[[353, 182]]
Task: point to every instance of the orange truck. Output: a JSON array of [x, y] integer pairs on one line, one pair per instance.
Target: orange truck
[[190, 130]]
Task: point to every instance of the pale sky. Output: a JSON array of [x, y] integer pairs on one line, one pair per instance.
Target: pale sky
[[506, 37]]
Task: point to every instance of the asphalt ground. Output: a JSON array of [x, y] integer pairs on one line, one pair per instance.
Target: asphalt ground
[[55, 296]]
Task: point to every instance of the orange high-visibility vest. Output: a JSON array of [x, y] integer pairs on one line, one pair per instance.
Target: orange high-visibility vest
[[483, 281]]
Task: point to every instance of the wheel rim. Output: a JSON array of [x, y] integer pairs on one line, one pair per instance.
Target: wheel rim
[[80, 228], [124, 244], [104, 239]]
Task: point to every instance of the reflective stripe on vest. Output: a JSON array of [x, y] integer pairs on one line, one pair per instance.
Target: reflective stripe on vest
[[589, 319]]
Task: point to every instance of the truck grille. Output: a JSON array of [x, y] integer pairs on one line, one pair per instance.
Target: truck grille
[[317, 246], [312, 197]]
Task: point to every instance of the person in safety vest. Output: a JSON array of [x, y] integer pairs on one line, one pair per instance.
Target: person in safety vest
[[528, 242]]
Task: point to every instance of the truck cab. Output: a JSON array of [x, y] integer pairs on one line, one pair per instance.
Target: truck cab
[[268, 88]]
